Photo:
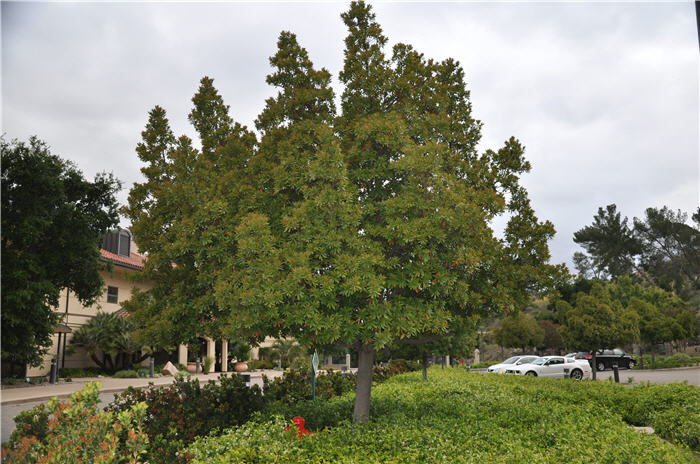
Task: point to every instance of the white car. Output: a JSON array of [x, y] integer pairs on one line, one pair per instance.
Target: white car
[[554, 366], [510, 362]]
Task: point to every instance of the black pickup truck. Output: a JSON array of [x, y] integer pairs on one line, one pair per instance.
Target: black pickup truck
[[606, 358]]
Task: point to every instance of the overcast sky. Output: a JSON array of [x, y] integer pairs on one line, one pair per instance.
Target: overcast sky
[[604, 96]]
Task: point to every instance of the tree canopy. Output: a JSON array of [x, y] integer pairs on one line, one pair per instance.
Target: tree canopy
[[597, 321], [53, 220], [366, 227], [662, 249], [519, 330]]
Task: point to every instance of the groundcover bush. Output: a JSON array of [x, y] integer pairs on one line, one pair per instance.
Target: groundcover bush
[[464, 417], [665, 362], [75, 431], [178, 413]]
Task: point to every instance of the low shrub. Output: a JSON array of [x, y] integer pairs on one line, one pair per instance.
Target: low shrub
[[261, 364], [207, 364], [454, 417], [30, 423], [678, 427], [12, 381], [78, 432], [483, 365], [295, 385], [395, 367], [79, 372], [178, 413], [667, 362], [126, 374]]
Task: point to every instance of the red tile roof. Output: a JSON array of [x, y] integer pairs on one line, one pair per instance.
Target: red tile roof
[[135, 261]]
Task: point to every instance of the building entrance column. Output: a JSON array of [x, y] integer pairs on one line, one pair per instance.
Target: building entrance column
[[182, 355]]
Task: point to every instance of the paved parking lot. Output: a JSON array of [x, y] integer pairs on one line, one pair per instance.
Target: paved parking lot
[[681, 374]]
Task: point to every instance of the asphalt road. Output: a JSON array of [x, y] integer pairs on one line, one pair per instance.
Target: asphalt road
[[682, 374]]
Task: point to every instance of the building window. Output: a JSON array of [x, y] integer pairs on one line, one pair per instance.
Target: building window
[[112, 295], [124, 243]]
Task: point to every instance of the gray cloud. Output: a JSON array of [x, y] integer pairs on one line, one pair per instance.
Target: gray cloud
[[604, 96]]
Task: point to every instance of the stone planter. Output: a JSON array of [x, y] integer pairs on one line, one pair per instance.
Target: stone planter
[[240, 366], [191, 367]]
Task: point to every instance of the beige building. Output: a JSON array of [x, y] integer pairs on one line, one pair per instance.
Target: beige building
[[119, 249]]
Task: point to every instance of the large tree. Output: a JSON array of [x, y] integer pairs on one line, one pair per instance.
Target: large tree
[[53, 220], [364, 228]]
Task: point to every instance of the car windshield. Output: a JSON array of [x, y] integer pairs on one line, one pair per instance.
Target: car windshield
[[511, 360], [539, 361], [526, 359]]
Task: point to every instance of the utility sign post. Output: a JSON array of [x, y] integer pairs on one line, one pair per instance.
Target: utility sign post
[[314, 368]]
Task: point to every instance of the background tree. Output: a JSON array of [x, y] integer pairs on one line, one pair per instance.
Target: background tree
[[519, 330], [671, 253], [53, 220], [610, 244], [664, 317], [551, 338], [654, 327], [662, 249], [598, 322]]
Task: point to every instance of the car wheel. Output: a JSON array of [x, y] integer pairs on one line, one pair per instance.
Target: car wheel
[[630, 365], [531, 373], [601, 366], [577, 374]]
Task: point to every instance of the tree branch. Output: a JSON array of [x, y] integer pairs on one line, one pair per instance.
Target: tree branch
[[422, 340]]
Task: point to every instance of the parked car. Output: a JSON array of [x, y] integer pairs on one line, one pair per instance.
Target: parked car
[[606, 358], [510, 362], [558, 367]]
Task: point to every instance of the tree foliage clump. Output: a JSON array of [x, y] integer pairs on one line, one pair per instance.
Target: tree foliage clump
[[53, 220], [597, 322], [662, 249], [519, 330], [366, 227]]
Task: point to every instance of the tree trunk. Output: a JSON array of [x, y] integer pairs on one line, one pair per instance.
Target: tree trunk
[[595, 366], [424, 363], [363, 393], [653, 357], [98, 362], [641, 357]]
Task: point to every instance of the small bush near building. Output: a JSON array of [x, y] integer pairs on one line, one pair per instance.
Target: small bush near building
[[178, 413], [76, 431], [79, 372], [261, 364]]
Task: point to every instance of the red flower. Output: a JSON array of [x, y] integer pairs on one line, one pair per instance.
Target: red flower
[[299, 423]]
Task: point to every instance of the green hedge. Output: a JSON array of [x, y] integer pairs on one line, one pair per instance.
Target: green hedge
[[667, 362], [458, 417]]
